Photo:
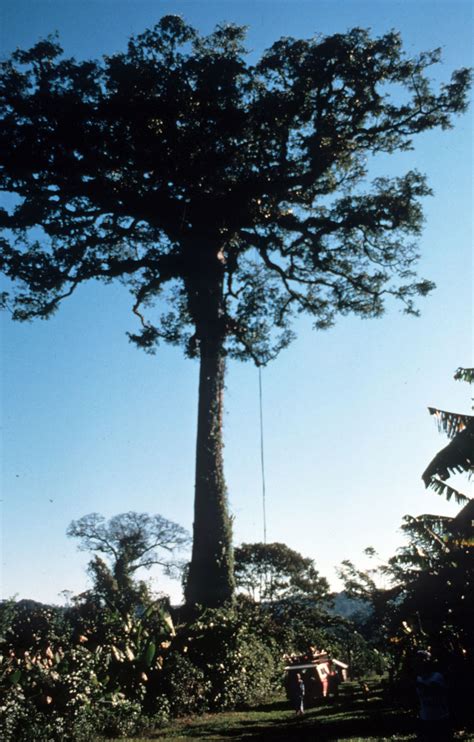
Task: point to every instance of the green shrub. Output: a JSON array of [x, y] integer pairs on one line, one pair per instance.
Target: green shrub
[[245, 675], [120, 718], [45, 692], [161, 713], [59, 684], [236, 666], [184, 685]]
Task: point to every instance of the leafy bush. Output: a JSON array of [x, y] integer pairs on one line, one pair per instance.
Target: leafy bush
[[58, 683], [184, 685], [46, 692], [220, 661], [246, 674], [28, 625], [121, 718]]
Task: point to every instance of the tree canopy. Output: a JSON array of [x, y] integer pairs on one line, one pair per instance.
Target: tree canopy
[[270, 572], [178, 157], [129, 541], [433, 575]]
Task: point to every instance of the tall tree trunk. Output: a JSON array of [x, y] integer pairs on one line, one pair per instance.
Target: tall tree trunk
[[210, 580]]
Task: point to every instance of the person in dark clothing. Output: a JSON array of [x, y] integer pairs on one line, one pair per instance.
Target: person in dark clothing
[[298, 694], [434, 723]]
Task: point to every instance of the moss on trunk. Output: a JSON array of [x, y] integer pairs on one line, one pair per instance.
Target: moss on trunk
[[211, 575]]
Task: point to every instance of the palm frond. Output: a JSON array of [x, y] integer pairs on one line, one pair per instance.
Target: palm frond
[[441, 488], [465, 374], [456, 457], [431, 526], [464, 520], [450, 423]]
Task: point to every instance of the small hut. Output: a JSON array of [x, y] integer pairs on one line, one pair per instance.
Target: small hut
[[321, 673]]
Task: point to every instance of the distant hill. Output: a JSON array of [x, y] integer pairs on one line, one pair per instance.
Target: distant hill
[[347, 607]]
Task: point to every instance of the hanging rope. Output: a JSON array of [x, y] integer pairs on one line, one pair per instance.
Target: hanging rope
[[262, 456]]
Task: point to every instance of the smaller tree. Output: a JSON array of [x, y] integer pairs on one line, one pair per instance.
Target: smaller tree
[[375, 600], [119, 617], [435, 574], [270, 572], [129, 541]]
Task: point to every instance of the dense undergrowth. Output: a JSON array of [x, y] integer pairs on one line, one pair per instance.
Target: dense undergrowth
[[87, 671]]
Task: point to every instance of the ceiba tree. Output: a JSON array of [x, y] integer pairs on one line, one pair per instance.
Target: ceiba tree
[[228, 196]]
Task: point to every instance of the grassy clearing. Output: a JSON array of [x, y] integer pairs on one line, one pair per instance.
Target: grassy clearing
[[351, 719]]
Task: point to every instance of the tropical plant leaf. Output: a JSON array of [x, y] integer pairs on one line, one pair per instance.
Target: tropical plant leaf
[[450, 423], [465, 374], [456, 457], [150, 654], [441, 488], [15, 677]]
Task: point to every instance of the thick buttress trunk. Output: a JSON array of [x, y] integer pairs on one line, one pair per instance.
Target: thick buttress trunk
[[210, 580]]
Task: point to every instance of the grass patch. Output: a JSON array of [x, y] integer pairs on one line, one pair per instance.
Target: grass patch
[[352, 718]]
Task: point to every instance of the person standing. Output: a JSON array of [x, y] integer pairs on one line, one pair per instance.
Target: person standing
[[298, 694], [434, 723]]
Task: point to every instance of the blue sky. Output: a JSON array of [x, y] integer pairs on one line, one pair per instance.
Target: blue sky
[[89, 423]]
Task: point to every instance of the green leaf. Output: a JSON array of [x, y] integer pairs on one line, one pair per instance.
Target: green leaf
[[150, 653], [15, 677]]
